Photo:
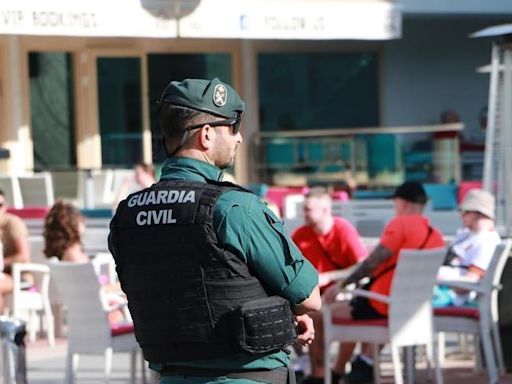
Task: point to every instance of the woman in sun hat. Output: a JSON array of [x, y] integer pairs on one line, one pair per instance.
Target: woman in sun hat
[[472, 248]]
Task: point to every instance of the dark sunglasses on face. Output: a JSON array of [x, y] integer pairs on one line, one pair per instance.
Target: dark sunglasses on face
[[234, 122]]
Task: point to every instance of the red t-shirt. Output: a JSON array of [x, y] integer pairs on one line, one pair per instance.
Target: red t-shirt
[[402, 232], [340, 248]]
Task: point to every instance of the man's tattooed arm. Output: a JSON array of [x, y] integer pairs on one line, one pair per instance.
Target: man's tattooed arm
[[378, 256]]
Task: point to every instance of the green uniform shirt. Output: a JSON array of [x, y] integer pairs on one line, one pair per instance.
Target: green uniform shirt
[[249, 229]]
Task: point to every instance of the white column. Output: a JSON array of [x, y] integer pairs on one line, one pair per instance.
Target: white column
[[18, 139], [246, 165]]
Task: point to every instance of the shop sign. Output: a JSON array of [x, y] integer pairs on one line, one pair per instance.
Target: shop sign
[[84, 18], [294, 19], [242, 19]]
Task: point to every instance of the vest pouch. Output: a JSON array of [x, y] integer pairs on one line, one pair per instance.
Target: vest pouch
[[263, 325]]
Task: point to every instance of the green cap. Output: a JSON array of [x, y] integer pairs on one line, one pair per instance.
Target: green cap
[[210, 96]]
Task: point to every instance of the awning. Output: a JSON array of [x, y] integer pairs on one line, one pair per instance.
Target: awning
[[238, 19]]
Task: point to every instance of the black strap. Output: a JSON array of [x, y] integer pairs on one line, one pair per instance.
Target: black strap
[[282, 375], [430, 230], [392, 266]]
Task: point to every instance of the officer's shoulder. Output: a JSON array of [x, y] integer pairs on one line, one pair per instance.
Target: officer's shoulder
[[237, 197]]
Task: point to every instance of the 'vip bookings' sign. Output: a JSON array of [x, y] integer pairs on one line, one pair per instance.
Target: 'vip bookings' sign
[[80, 18]]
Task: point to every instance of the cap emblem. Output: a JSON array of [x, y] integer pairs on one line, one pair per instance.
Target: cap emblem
[[220, 95]]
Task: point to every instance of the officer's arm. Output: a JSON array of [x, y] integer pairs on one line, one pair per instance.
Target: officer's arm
[[312, 303], [252, 232]]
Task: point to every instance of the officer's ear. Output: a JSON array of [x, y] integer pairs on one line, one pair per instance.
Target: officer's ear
[[206, 136]]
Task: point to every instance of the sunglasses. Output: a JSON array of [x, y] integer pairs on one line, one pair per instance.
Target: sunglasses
[[235, 122]]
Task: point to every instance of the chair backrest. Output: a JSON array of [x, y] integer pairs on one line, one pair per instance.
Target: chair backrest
[[36, 246], [37, 189], [493, 273], [103, 187], [105, 267], [488, 302], [11, 188], [118, 178], [95, 240], [410, 311], [79, 290], [67, 186]]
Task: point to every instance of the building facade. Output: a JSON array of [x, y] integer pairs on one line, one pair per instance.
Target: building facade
[[79, 84]]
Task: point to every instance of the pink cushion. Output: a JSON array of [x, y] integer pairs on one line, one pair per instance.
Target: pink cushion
[[465, 187], [121, 329], [458, 312], [361, 323], [277, 194]]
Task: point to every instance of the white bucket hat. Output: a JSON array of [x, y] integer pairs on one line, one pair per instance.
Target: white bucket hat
[[478, 200]]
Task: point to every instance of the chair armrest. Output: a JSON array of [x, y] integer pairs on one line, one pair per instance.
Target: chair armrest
[[116, 306], [30, 267], [370, 295], [332, 276], [465, 285], [19, 268]]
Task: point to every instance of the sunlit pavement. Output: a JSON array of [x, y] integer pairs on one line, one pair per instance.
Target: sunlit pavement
[[46, 365]]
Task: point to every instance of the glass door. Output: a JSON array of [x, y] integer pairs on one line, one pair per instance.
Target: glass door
[[120, 110], [52, 110]]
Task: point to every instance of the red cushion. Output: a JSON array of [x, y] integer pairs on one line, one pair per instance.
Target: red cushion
[[33, 212], [458, 311], [121, 329], [362, 323]]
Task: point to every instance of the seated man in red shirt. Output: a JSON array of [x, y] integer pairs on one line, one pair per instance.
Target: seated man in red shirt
[[409, 229], [330, 244]]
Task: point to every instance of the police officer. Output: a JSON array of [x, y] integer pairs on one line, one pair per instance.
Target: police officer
[[215, 287]]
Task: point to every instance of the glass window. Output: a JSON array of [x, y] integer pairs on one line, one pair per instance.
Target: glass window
[[314, 91], [163, 68], [372, 160], [52, 109], [120, 110]]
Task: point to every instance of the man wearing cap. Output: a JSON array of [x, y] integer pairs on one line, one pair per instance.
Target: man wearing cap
[[472, 248], [215, 286], [409, 229]]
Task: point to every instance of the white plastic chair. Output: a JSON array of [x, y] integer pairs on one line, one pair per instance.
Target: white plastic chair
[[11, 188], [89, 330], [67, 186], [95, 240], [481, 321], [32, 300], [410, 313], [37, 189], [37, 244]]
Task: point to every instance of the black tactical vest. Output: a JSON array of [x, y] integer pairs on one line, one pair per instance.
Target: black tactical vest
[[181, 285]]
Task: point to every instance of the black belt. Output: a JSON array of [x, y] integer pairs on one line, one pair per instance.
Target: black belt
[[282, 375]]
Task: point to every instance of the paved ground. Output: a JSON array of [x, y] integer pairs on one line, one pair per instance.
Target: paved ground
[[46, 366]]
